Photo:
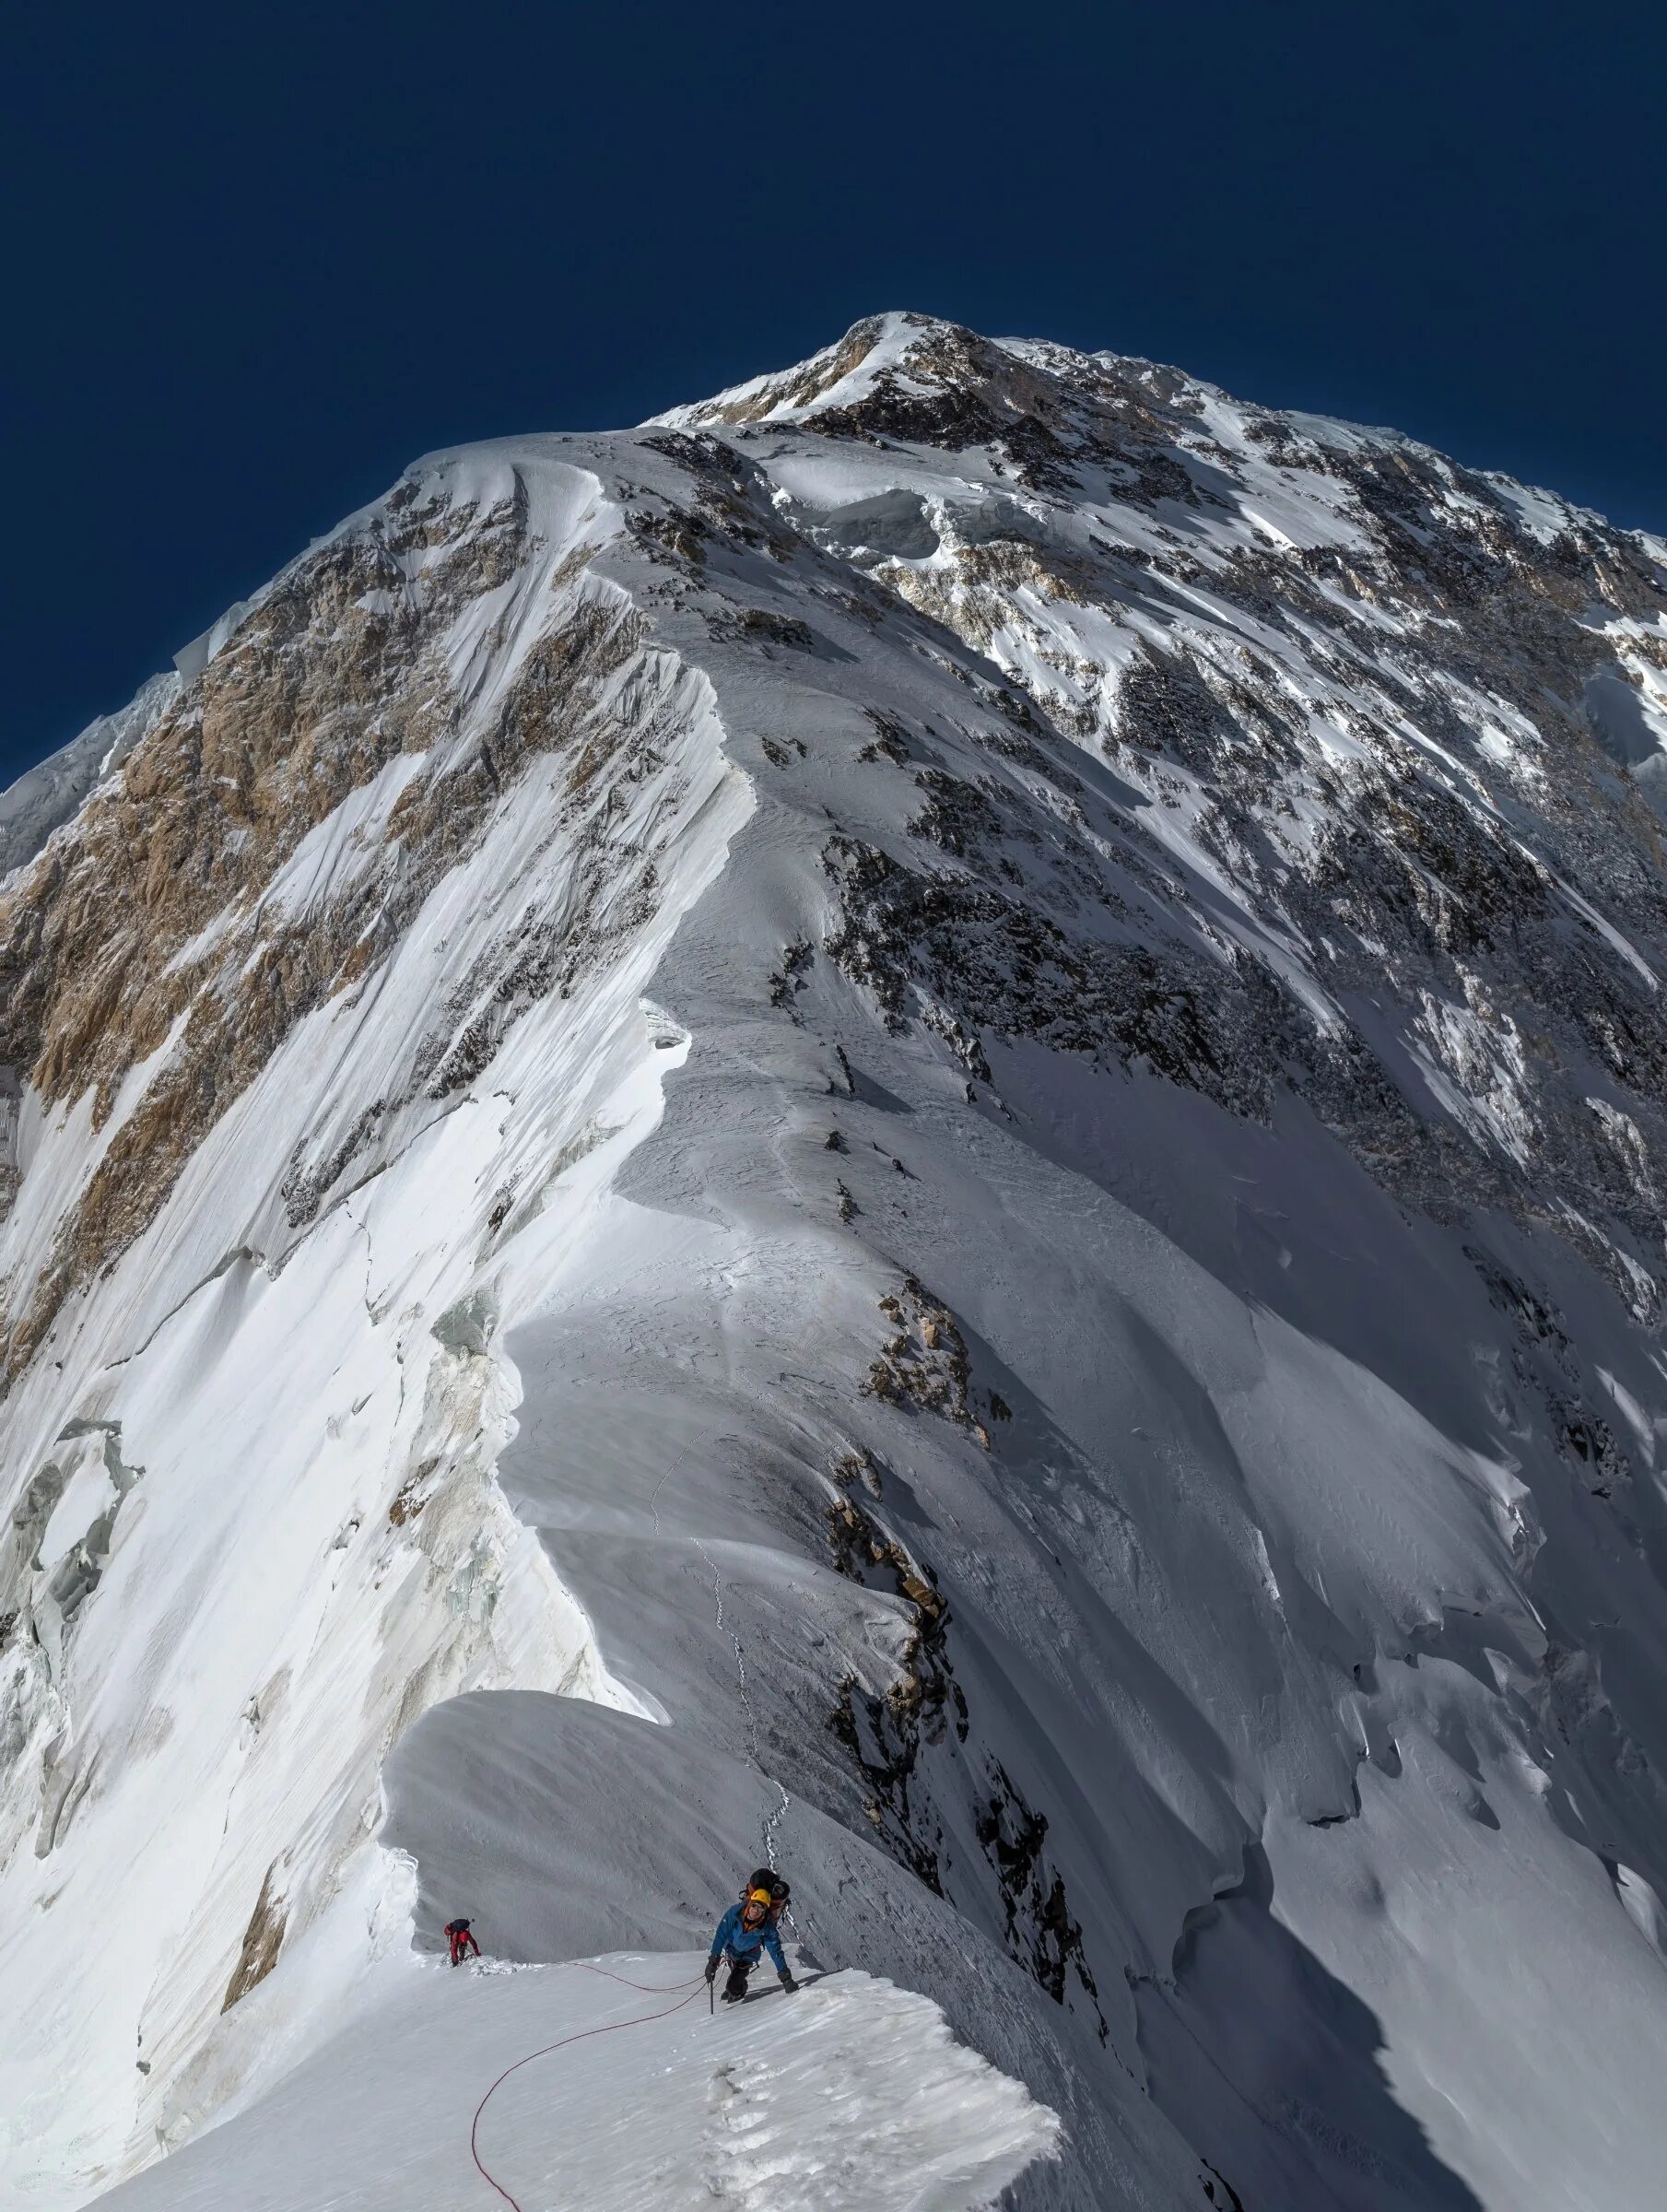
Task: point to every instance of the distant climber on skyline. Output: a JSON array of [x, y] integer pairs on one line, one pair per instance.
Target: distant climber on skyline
[[745, 1932]]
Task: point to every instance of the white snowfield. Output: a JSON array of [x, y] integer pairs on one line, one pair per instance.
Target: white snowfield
[[912, 1128], [850, 2096]]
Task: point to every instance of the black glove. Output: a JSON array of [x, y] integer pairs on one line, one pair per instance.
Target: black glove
[[712, 1970], [787, 1983]]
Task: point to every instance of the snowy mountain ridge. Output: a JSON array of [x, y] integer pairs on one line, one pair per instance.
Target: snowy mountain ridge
[[915, 1123]]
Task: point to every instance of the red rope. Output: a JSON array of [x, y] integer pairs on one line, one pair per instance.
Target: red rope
[[608, 2029], [654, 1989]]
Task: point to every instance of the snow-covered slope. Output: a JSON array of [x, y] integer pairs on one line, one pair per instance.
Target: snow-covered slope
[[852, 2099], [913, 1125]]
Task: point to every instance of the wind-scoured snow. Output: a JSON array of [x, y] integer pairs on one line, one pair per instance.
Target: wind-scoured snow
[[912, 1127], [849, 2096]]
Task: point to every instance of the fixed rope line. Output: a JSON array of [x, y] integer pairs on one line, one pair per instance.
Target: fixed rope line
[[607, 2027], [772, 1820]]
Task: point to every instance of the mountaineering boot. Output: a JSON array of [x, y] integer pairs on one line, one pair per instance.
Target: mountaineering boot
[[734, 1989]]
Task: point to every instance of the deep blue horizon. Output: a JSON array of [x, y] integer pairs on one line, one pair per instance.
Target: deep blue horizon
[[262, 265]]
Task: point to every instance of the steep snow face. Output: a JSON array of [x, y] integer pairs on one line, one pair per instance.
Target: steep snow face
[[912, 1126], [185, 1684]]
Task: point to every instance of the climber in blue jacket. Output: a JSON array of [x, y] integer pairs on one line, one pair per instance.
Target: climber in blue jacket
[[745, 1932]]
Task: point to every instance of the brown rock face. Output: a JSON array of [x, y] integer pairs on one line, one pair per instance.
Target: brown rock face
[[262, 1940], [148, 922]]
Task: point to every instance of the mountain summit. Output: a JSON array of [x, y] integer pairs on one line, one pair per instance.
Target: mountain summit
[[913, 1125]]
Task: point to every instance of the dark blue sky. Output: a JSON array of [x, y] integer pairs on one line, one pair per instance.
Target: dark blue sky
[[262, 257]]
